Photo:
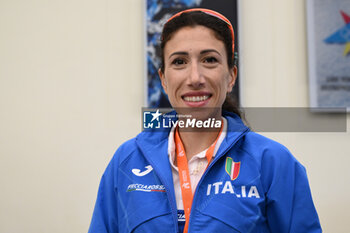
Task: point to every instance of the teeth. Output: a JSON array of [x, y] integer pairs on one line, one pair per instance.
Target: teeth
[[196, 98]]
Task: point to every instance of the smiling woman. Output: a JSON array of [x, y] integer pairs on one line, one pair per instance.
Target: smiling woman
[[192, 178], [196, 73]]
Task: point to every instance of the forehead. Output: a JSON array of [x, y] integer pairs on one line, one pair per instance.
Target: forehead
[[193, 38]]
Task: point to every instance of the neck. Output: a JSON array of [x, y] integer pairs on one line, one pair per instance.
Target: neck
[[197, 140]]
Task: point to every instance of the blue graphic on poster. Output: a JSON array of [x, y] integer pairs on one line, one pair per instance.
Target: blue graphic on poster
[[158, 12], [342, 35]]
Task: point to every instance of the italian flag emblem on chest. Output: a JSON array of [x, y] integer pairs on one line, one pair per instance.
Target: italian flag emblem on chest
[[232, 168]]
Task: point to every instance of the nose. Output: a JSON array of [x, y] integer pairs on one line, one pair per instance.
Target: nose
[[196, 79]]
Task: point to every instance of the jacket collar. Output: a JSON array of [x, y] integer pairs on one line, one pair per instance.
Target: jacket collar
[[154, 144], [235, 130]]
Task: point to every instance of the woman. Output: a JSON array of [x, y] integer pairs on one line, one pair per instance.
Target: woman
[[190, 178]]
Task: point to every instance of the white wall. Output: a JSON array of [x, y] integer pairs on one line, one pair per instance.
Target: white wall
[[274, 57], [71, 91]]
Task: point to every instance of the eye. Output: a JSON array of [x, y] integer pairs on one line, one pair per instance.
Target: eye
[[210, 60], [178, 61]]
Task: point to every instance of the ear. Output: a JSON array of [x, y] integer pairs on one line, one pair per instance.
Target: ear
[[232, 78], [162, 80]]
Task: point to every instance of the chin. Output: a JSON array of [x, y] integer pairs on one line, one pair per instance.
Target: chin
[[200, 113]]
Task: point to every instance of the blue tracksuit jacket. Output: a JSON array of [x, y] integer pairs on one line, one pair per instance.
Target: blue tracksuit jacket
[[270, 194]]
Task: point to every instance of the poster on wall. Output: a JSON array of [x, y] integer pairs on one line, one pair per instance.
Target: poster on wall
[[329, 54], [157, 13]]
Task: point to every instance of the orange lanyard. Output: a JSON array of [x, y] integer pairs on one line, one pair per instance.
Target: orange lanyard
[[184, 174]]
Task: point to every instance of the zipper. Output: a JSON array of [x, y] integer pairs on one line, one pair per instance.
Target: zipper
[[172, 204], [208, 168]]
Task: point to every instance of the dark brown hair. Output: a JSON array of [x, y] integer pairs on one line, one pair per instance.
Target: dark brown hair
[[222, 32]]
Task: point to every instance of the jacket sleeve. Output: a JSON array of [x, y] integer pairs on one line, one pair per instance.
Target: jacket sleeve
[[290, 208], [105, 215]]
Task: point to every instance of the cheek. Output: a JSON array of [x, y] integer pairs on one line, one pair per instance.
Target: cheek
[[173, 81], [224, 88], [223, 83]]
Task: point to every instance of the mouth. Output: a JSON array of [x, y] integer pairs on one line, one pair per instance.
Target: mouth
[[196, 99]]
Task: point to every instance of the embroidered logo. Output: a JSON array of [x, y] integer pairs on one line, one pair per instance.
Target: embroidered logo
[[146, 188], [181, 216], [137, 172], [232, 168]]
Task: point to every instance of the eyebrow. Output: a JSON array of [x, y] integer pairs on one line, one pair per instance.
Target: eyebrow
[[202, 52], [209, 51], [178, 53]]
